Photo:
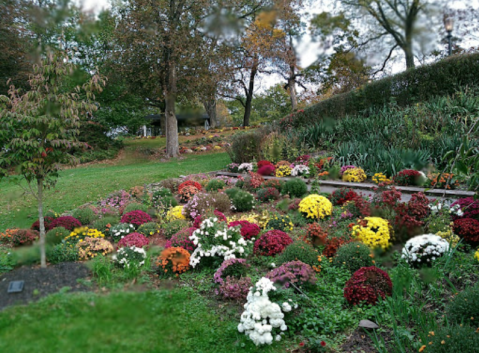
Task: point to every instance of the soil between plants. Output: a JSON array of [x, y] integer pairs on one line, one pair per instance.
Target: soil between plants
[[40, 282]]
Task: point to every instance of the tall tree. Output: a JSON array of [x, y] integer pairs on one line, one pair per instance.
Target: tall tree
[[38, 128]]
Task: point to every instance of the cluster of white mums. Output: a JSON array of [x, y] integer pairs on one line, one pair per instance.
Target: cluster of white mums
[[227, 247], [246, 167], [126, 261], [263, 319], [438, 206], [299, 170], [121, 230], [424, 248]]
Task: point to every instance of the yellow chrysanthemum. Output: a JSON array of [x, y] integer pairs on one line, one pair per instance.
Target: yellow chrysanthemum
[[354, 175], [175, 213], [316, 207], [374, 232], [283, 171]]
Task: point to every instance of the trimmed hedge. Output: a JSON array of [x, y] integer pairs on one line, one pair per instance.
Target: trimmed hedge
[[406, 88]]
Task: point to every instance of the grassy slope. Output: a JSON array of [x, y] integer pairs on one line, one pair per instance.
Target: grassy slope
[[161, 321], [89, 183]]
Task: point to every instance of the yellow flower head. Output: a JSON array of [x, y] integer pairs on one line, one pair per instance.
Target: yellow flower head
[[374, 232], [316, 207], [354, 175]]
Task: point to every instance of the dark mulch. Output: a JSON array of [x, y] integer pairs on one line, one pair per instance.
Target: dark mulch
[[40, 282], [358, 342]]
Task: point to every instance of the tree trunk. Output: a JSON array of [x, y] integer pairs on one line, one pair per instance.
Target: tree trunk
[[292, 89], [43, 258], [409, 56], [172, 146], [210, 107], [249, 95]]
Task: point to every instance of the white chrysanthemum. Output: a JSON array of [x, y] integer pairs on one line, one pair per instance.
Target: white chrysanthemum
[[424, 248]]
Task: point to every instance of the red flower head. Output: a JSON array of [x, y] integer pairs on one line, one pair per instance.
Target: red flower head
[[323, 344]]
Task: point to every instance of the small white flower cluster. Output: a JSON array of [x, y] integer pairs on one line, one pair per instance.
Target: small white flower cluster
[[246, 167], [130, 256], [214, 238], [438, 206], [299, 170], [121, 230], [262, 318], [424, 248]]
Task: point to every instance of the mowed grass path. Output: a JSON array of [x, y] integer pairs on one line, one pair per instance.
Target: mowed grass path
[[83, 184], [161, 321]]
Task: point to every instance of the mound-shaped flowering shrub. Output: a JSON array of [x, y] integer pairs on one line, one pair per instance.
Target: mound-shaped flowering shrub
[[121, 230], [173, 261], [280, 222], [188, 192], [301, 251], [253, 181], [182, 240], [354, 175], [248, 230], [467, 229], [234, 268], [341, 196], [273, 183], [189, 183], [333, 244], [300, 170], [358, 207], [149, 229], [293, 272], [133, 239], [282, 171], [130, 257], [89, 248], [346, 167], [117, 199], [366, 285], [315, 235], [380, 178], [245, 167], [353, 256], [469, 207], [316, 207], [407, 177], [67, 222], [234, 288], [267, 194], [272, 243], [375, 232], [295, 187], [137, 218], [201, 204], [215, 185], [175, 213], [266, 170], [263, 163], [18, 237], [263, 320], [424, 249], [215, 238], [242, 201], [47, 220], [220, 215], [56, 235], [82, 233]]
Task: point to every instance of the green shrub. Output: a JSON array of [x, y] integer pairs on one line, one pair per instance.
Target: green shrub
[[61, 253], [135, 207], [297, 219], [243, 201], [160, 195], [246, 146], [353, 256], [173, 227], [453, 339], [56, 235], [283, 205], [295, 187], [148, 229], [232, 192], [167, 202], [465, 306], [299, 250], [84, 215], [215, 185], [268, 194], [280, 222], [104, 224]]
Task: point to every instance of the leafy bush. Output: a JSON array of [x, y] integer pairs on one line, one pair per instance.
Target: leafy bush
[[464, 307], [293, 272], [215, 185], [299, 250], [56, 235], [173, 227], [242, 201], [467, 229], [61, 252], [181, 239], [84, 215], [295, 187], [280, 222], [66, 222], [232, 192], [341, 196], [268, 194], [353, 256], [89, 248], [171, 184], [453, 339], [135, 207], [148, 229], [247, 146], [248, 230], [271, 243], [106, 223], [137, 218], [173, 261], [366, 285], [133, 239]]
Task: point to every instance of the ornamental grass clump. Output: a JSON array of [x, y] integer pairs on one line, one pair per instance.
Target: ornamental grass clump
[[133, 239], [424, 249], [464, 307], [82, 233], [263, 320], [248, 230], [130, 257], [298, 251], [181, 239], [67, 222], [467, 229], [354, 175], [214, 238], [173, 261], [341, 196], [366, 286], [316, 207], [295, 188], [293, 273], [242, 201], [89, 248], [271, 243], [375, 232], [56, 235], [121, 230], [267, 194], [137, 218], [280, 222], [353, 256]]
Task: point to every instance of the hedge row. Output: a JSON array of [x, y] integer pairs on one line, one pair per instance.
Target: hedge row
[[415, 85]]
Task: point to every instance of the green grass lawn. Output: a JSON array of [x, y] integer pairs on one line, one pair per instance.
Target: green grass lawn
[[161, 321], [89, 183]]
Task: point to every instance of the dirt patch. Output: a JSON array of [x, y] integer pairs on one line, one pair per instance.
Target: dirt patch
[[40, 282], [359, 342], [158, 239]]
